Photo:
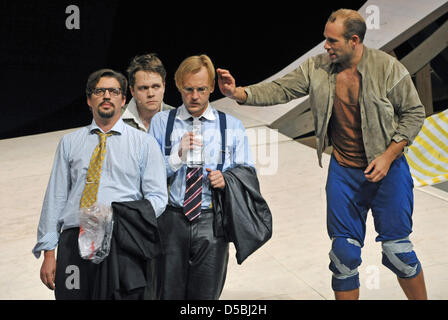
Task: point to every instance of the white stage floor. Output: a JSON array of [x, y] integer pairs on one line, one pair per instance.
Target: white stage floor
[[292, 265]]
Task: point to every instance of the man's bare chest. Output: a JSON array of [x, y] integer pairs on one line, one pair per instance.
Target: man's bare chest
[[347, 86]]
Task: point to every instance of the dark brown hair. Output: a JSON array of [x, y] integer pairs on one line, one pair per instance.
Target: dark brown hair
[[95, 77], [146, 62]]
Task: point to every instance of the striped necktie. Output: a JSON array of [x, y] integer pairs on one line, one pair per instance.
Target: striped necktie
[[193, 193], [89, 195]]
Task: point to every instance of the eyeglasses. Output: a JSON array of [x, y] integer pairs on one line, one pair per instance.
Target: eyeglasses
[[200, 90], [99, 92]]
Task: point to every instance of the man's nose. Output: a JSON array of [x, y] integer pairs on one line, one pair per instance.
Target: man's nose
[[195, 94], [326, 45]]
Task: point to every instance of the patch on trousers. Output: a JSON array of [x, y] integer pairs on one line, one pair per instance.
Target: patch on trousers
[[345, 257], [399, 256]]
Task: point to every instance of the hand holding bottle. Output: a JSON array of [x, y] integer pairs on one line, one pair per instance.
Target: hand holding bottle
[[188, 142]]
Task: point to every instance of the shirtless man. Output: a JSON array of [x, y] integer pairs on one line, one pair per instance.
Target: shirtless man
[[365, 104]]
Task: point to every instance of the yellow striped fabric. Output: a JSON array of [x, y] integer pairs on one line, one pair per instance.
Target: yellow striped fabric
[[428, 155]]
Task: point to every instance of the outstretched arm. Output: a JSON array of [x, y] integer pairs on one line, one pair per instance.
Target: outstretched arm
[[292, 85]]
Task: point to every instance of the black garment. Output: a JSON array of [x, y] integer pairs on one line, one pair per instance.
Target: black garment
[[129, 270], [194, 265], [241, 211], [74, 276]]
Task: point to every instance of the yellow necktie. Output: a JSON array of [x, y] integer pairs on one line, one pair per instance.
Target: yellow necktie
[[94, 172]]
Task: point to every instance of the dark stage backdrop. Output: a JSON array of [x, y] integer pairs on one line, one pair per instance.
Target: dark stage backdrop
[[45, 65]]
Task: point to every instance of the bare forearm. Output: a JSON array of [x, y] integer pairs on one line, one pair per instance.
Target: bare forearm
[[395, 149], [49, 253], [48, 269], [379, 167], [239, 95]]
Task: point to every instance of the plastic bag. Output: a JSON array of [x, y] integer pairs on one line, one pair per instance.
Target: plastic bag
[[96, 226]]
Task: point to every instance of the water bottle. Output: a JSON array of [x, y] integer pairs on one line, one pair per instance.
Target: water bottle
[[195, 156]]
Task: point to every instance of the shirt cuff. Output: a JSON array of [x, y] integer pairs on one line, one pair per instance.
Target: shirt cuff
[[399, 137], [48, 242], [248, 99], [174, 161]]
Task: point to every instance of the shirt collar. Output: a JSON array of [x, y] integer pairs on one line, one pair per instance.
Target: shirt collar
[[131, 112], [117, 128], [362, 65], [184, 115]]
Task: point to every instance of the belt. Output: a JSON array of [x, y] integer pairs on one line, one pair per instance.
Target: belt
[[181, 210]]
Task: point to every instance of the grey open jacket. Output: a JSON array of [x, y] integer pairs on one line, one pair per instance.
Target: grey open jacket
[[390, 106]]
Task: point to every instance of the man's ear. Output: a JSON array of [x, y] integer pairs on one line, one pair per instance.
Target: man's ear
[[355, 40]]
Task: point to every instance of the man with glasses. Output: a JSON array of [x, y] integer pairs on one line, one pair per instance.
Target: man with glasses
[[131, 168], [146, 75], [195, 262]]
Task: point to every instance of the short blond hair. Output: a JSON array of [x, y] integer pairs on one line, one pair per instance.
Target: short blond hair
[[354, 23], [192, 65]]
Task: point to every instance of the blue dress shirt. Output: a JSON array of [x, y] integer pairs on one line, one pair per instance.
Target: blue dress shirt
[[133, 169], [237, 149]]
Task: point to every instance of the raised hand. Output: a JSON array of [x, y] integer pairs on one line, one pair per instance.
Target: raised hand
[[226, 82]]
